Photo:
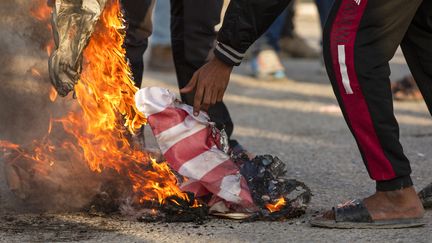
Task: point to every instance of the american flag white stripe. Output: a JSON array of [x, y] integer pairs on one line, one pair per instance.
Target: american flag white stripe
[[152, 100], [358, 2], [199, 166], [231, 188], [179, 132]]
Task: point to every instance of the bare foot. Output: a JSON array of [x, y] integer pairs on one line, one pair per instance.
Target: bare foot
[[399, 204]]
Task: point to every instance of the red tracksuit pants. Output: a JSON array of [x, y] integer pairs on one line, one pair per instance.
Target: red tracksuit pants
[[360, 38]]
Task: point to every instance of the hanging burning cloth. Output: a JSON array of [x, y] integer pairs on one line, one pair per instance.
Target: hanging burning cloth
[[190, 147], [73, 24]]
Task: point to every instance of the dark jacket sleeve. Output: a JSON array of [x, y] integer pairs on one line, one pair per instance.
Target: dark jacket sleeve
[[245, 21]]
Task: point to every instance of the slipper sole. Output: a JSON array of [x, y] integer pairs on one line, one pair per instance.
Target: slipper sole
[[235, 216], [388, 224]]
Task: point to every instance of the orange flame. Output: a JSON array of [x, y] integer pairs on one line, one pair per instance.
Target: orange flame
[[53, 94], [41, 11], [35, 73], [104, 91], [100, 128], [49, 48], [277, 206], [8, 145]]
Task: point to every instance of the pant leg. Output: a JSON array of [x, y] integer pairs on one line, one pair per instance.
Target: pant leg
[[161, 29], [360, 38], [324, 7], [271, 37], [289, 26], [193, 37], [138, 16], [417, 48], [273, 34]]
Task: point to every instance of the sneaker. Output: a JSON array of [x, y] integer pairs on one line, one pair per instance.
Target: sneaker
[[267, 65]]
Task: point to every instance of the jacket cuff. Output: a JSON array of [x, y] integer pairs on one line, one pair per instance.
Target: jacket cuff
[[228, 55]]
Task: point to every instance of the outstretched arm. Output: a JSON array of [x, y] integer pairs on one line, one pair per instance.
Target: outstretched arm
[[245, 21]]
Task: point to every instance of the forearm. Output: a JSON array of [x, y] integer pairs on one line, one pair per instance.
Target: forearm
[[245, 21]]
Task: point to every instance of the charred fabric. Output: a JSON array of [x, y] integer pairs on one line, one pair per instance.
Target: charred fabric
[[265, 176]]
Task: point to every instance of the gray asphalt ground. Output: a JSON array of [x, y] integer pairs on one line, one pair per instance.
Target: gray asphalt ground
[[297, 120]]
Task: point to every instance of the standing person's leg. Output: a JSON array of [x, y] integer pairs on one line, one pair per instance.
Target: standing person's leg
[[161, 29], [160, 52], [138, 17], [139, 28], [360, 38], [193, 37], [289, 27], [273, 34], [291, 43], [417, 49], [324, 7], [265, 61]]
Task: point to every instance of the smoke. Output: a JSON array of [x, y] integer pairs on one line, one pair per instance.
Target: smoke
[[24, 103], [25, 111]]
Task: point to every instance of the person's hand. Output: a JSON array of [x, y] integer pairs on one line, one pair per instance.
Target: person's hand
[[210, 83]]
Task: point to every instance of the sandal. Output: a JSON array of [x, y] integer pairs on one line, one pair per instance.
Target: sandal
[[354, 215], [425, 196]]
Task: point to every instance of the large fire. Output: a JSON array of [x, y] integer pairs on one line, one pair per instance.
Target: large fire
[[106, 116]]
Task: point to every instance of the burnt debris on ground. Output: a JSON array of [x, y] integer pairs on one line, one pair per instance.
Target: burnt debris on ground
[[176, 209], [112, 192], [265, 175]]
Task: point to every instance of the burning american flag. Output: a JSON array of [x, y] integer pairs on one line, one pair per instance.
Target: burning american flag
[[97, 129]]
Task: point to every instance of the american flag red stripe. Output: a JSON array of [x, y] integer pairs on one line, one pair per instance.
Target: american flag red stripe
[[180, 152], [195, 187], [166, 119], [189, 147]]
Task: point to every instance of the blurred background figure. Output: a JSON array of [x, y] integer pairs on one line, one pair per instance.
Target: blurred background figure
[[266, 63], [281, 40], [290, 42], [161, 58]]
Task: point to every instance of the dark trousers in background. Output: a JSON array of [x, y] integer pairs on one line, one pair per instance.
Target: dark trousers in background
[[323, 6], [288, 28], [193, 37], [360, 39], [138, 15]]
